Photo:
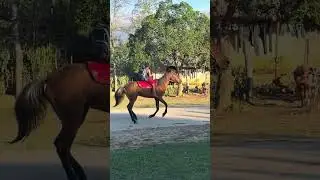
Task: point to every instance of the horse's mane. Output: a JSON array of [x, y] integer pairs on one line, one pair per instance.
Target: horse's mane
[[171, 68]]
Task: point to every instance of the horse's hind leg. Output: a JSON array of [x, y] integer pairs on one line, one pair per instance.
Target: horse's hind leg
[[71, 122], [157, 106], [166, 106], [133, 116]]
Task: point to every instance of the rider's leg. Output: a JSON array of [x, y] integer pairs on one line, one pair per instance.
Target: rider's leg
[[154, 93]]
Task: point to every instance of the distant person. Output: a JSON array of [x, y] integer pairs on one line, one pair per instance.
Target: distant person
[[204, 88], [147, 76]]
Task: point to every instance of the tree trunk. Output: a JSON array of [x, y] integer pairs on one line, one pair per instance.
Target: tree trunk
[[18, 51], [256, 43], [180, 86], [224, 88], [276, 50], [306, 52], [264, 39], [270, 39], [248, 68], [248, 64], [225, 82], [180, 89]]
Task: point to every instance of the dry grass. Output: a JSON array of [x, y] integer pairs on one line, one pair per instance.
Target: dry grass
[[264, 122]]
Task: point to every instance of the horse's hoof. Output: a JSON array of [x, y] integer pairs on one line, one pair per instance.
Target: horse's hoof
[[151, 116], [164, 114], [135, 122]]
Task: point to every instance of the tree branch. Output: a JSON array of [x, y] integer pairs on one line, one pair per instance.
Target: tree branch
[[5, 18]]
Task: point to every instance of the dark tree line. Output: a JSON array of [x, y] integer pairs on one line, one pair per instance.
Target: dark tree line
[[247, 21], [64, 25]]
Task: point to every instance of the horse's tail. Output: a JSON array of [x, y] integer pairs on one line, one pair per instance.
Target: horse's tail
[[30, 109], [119, 95]]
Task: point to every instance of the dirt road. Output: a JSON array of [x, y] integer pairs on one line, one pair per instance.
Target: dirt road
[[265, 160], [180, 124], [120, 119]]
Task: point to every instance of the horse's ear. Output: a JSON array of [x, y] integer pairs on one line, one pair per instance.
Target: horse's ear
[[171, 69]]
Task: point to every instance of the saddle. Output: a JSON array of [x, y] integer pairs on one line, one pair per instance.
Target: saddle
[[147, 84], [100, 72]]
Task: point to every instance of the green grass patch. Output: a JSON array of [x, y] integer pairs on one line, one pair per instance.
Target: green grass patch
[[183, 161]]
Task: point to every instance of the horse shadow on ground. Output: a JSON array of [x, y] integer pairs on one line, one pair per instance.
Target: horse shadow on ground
[[46, 171]]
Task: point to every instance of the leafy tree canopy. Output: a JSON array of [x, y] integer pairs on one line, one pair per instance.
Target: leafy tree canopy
[[176, 34]]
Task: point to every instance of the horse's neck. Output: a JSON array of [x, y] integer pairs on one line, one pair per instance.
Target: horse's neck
[[163, 81]]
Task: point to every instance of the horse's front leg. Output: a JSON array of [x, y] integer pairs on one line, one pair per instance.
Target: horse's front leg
[[157, 106], [166, 106]]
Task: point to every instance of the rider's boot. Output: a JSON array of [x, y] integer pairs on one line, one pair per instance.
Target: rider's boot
[[154, 93]]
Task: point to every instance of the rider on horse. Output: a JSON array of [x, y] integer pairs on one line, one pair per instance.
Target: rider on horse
[[99, 37], [147, 76]]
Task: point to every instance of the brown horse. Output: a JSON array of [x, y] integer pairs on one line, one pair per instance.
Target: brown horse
[[71, 91], [306, 80], [132, 90], [300, 75]]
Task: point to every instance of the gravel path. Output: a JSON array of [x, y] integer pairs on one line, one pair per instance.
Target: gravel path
[[179, 125], [159, 135], [264, 160]]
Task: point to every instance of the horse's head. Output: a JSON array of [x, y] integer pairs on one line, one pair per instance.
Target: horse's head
[[173, 75]]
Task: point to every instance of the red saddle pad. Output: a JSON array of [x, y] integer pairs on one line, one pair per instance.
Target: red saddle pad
[[147, 84], [100, 72]]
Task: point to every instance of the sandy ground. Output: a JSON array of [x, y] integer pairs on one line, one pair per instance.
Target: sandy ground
[[120, 120], [179, 125]]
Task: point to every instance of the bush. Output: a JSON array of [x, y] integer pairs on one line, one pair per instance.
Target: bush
[[123, 80], [4, 60], [40, 61], [171, 91]]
